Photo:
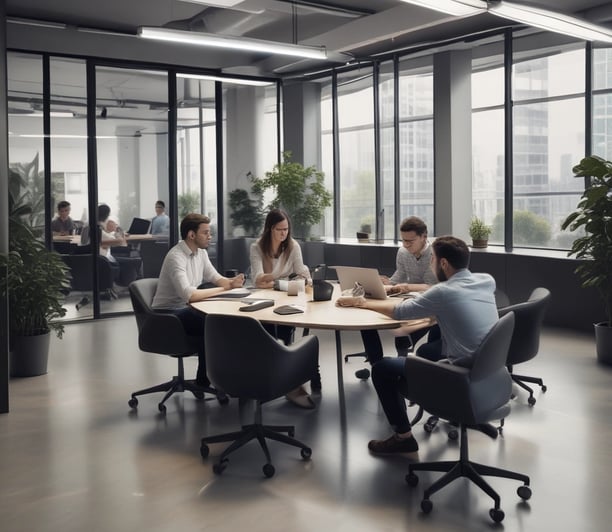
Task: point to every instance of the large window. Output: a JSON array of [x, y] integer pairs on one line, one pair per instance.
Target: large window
[[416, 154], [602, 103], [548, 141], [356, 141]]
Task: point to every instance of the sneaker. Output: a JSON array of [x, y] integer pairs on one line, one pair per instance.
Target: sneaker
[[394, 444], [363, 374]]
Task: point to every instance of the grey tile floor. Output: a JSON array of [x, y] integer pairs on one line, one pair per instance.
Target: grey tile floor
[[74, 458]]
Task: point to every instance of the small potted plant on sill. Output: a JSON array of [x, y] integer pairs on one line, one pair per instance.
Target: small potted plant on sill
[[479, 232], [593, 216], [37, 280]]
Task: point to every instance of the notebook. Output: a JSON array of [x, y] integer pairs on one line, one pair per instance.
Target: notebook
[[139, 226], [366, 277]]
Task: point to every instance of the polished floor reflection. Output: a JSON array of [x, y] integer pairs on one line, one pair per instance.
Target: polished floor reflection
[[73, 457]]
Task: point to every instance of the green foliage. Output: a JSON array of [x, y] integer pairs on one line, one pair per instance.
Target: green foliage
[[478, 229], [36, 277], [300, 191], [528, 229], [187, 203], [594, 215], [246, 212]]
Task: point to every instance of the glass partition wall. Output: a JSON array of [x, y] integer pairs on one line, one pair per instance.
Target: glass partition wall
[[120, 139]]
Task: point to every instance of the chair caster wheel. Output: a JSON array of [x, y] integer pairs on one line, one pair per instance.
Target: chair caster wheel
[[222, 398], [544, 388], [198, 395], [133, 402], [162, 408], [306, 453], [524, 492], [204, 450], [453, 435], [531, 400], [426, 506], [497, 515], [219, 467], [268, 470], [412, 479]]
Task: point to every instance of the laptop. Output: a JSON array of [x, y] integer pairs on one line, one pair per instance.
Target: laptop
[[139, 226], [369, 278]]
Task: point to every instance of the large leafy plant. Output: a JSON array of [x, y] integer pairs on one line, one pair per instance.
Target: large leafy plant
[[299, 190], [593, 216], [36, 277]]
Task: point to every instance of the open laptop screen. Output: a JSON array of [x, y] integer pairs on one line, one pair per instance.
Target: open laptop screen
[[366, 277], [139, 226]]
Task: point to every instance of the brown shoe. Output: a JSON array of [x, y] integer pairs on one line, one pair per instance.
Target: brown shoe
[[393, 445]]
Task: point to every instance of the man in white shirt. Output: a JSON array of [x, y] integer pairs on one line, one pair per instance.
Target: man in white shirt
[[185, 268]]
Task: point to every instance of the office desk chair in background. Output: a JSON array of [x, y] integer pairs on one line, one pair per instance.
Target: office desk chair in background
[[256, 368], [470, 396], [163, 333], [525, 345]]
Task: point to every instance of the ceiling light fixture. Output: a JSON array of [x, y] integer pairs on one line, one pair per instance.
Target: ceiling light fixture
[[459, 8], [236, 81], [551, 21], [232, 43]]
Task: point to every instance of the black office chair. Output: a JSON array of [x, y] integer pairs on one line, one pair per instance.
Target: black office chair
[[470, 396], [81, 277], [250, 364], [525, 344], [163, 333]]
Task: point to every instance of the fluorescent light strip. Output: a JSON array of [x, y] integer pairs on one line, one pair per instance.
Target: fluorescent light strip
[[232, 43], [551, 21], [459, 8], [237, 81]]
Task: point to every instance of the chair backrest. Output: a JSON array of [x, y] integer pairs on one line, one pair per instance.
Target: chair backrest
[[158, 331], [82, 274], [245, 361], [466, 395], [528, 316]]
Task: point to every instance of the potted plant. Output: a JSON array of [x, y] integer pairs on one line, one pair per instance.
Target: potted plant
[[37, 280], [299, 190], [479, 232], [246, 213], [593, 216]]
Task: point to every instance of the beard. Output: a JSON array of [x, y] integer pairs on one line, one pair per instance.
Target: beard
[[441, 275]]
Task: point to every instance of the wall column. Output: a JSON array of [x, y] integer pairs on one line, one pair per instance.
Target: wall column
[[453, 142], [4, 369], [302, 122]]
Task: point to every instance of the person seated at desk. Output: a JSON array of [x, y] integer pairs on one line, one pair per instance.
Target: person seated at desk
[[185, 268], [127, 269], [463, 303], [63, 224], [160, 223], [276, 256], [412, 274]]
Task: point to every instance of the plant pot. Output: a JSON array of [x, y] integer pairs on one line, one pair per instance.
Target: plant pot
[[603, 342], [478, 243], [29, 355]]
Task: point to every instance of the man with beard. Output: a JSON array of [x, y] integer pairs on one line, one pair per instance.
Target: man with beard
[[463, 304]]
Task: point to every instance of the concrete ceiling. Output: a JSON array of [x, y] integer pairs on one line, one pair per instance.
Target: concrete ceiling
[[347, 28]]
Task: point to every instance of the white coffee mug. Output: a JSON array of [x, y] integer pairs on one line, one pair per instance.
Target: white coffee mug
[[295, 286]]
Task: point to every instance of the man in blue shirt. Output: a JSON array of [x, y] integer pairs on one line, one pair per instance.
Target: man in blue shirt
[[463, 304], [160, 224]]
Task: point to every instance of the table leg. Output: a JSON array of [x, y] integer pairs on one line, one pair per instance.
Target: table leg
[[339, 362]]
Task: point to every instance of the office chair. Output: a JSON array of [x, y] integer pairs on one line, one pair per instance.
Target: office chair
[[82, 279], [470, 396], [163, 333], [256, 368], [525, 344]]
